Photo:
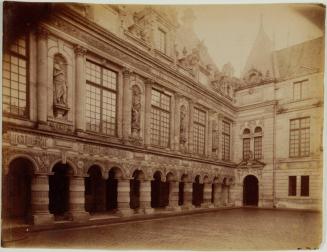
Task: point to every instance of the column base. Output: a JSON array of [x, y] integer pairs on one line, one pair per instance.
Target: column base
[[148, 210], [173, 208], [42, 218], [126, 212], [187, 207], [80, 216]]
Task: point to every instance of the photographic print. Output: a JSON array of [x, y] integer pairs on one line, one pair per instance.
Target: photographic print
[[171, 127]]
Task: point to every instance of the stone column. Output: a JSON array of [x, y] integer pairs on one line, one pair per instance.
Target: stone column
[[176, 114], [207, 192], [123, 197], [80, 89], [217, 195], [173, 195], [188, 188], [190, 131], [42, 76], [145, 196], [77, 198], [209, 145], [40, 200], [127, 103], [147, 124]]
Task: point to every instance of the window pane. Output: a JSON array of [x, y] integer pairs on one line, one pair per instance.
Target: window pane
[[300, 137], [246, 148], [162, 41], [304, 185], [226, 141], [292, 186], [257, 148]]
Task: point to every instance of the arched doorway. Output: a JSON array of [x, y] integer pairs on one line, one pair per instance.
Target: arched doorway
[[224, 192], [95, 191], [59, 190], [135, 189], [197, 195], [250, 191], [181, 194], [159, 191], [16, 186], [112, 186]]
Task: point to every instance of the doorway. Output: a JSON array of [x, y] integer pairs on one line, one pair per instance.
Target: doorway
[[250, 191]]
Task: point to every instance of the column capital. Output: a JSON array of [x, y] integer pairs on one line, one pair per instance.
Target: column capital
[[80, 50], [221, 116], [42, 32], [149, 81], [127, 72], [212, 112]]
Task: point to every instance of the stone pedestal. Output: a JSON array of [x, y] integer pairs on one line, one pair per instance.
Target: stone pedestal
[[123, 197], [173, 196], [145, 196], [40, 200], [188, 188], [77, 199], [207, 191]]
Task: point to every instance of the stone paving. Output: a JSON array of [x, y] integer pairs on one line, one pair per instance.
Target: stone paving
[[235, 229]]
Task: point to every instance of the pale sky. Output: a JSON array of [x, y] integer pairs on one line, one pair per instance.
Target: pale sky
[[229, 31]]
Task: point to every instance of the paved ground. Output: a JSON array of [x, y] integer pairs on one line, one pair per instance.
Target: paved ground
[[237, 229]]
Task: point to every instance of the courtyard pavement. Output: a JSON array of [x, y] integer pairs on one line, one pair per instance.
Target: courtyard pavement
[[233, 229]]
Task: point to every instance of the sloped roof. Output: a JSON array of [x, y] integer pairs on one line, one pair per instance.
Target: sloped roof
[[301, 59], [261, 55]]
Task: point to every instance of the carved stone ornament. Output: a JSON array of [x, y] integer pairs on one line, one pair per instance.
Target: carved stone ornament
[[60, 86], [136, 111], [183, 126]]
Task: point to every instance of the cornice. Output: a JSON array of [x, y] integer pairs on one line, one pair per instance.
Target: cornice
[[139, 55], [256, 105]]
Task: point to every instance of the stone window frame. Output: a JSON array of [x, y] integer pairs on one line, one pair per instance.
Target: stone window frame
[[161, 110], [292, 188], [162, 34], [12, 53], [295, 138], [102, 88], [299, 84], [225, 152], [257, 143], [196, 134]]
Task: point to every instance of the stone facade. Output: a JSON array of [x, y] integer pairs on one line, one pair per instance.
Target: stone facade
[[55, 142]]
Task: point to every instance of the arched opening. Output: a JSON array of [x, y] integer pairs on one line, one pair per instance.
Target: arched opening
[[159, 191], [112, 186], [250, 191], [16, 199], [95, 191], [181, 194], [135, 189], [197, 197], [59, 190]]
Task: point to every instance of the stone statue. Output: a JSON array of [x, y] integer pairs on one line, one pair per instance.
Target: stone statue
[[183, 126], [136, 111], [59, 82]]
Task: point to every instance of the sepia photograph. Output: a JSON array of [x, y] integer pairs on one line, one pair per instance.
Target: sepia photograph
[[162, 127]]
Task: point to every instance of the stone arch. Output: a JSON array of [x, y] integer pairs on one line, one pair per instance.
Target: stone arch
[[246, 131], [258, 129], [159, 190], [17, 188], [71, 165], [117, 172], [98, 164], [138, 174], [24, 156], [170, 176], [118, 167]]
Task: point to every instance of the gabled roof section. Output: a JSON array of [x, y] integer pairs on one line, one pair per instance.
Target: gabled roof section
[[261, 55], [301, 59]]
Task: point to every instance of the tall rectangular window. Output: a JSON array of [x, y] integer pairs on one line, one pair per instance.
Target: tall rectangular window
[[162, 41], [226, 141], [15, 78], [257, 148], [160, 118], [300, 137], [199, 128], [305, 185], [246, 148], [300, 90], [101, 99], [292, 186]]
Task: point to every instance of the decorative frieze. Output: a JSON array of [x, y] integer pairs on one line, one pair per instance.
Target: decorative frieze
[[28, 140]]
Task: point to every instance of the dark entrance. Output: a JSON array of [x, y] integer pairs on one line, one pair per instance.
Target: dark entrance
[[112, 184], [197, 194], [95, 191], [250, 191], [17, 190], [135, 189], [59, 189], [159, 191]]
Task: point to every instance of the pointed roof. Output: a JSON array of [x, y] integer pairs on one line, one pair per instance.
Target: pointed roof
[[261, 54]]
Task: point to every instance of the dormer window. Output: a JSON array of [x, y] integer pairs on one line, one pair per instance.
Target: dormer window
[[162, 46]]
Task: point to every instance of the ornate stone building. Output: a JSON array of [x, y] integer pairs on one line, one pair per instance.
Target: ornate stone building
[[109, 109]]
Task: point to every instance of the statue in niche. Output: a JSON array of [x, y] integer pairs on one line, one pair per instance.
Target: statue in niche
[[59, 81], [183, 126], [136, 111]]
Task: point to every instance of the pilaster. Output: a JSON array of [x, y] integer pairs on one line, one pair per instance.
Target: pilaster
[[145, 196], [127, 103], [190, 136], [147, 124], [123, 197], [77, 198]]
